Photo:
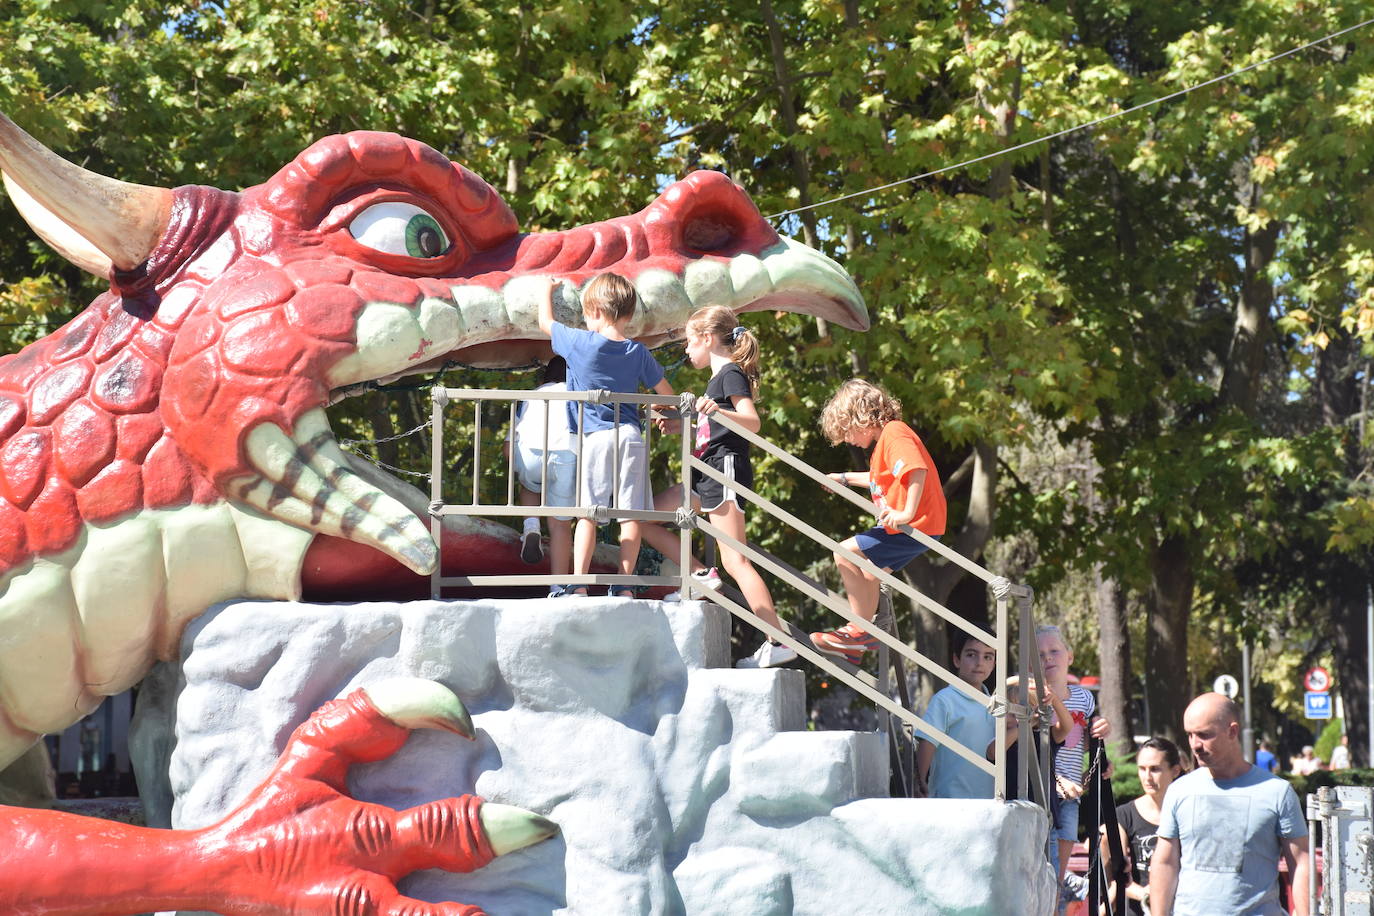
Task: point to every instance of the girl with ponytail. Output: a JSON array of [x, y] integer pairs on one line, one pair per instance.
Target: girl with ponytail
[[715, 339]]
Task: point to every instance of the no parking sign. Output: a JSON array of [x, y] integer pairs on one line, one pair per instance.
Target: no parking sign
[[1317, 679]]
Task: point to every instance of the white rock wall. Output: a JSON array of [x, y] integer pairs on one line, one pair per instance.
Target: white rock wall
[[679, 787]]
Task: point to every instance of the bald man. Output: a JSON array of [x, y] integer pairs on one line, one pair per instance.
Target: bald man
[[1223, 827]]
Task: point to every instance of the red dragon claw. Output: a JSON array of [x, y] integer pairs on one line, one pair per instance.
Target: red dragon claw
[[296, 846]]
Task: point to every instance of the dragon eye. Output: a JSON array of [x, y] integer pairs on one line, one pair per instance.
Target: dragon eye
[[399, 228]]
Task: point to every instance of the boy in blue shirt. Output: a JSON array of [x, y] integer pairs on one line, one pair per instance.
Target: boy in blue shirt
[[602, 357], [964, 719]]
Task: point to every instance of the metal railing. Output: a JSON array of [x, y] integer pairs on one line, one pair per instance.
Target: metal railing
[[1004, 592]]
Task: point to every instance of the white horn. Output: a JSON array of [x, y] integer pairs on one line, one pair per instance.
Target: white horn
[[62, 238], [92, 220]]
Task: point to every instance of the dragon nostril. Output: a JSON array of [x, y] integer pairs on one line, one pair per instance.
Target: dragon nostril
[[712, 232]]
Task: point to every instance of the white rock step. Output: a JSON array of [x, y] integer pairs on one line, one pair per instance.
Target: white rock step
[[680, 786]]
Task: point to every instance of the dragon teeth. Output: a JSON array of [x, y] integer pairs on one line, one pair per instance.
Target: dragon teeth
[[793, 267], [666, 303], [749, 278], [708, 282], [306, 482], [392, 336]]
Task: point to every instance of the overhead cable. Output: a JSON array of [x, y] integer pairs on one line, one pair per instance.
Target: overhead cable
[[1069, 130]]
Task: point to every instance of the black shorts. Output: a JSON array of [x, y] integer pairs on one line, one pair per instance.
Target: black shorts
[[710, 491]]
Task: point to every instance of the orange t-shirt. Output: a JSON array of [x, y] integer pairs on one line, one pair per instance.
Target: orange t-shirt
[[897, 453]]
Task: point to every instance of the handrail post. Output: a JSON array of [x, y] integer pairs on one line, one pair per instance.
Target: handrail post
[[886, 619], [476, 453], [999, 754], [439, 397], [687, 417], [1023, 671]]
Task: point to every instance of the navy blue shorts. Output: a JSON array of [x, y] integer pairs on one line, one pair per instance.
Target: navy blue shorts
[[889, 551]]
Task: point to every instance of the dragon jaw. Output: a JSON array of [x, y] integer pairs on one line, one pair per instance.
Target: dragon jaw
[[277, 304], [304, 478]]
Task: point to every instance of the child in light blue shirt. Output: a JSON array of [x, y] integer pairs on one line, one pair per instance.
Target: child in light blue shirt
[[964, 719]]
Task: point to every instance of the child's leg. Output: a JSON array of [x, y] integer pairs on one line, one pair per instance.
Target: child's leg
[[728, 517], [630, 535], [860, 586], [528, 497], [584, 542], [660, 538], [560, 546]]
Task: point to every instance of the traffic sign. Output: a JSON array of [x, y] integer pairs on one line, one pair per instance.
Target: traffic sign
[[1318, 705], [1226, 686], [1317, 679]]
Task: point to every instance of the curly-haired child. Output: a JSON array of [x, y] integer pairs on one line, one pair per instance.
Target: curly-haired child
[[905, 486]]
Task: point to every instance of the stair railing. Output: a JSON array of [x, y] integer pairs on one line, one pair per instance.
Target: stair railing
[[1035, 787]]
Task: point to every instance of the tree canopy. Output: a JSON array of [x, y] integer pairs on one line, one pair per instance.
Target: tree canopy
[[1140, 352]]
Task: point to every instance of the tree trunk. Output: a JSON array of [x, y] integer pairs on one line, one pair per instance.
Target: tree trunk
[[379, 414], [801, 169], [1347, 611], [938, 581], [1114, 650], [1166, 643], [1340, 398], [1245, 362]]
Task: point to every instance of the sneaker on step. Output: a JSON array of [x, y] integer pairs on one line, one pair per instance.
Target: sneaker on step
[[531, 548], [768, 655], [707, 577], [848, 642]]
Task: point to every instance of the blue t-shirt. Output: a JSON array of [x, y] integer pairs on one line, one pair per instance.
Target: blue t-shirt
[[597, 362], [967, 721], [1266, 761], [1229, 833]]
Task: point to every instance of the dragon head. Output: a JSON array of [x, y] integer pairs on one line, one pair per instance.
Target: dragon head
[[369, 257]]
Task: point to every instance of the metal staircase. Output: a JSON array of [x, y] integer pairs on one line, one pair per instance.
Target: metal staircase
[[1013, 638]]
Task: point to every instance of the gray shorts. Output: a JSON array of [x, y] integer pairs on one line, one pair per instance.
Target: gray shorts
[[600, 485]]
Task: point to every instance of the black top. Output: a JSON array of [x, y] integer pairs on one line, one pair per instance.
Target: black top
[[1141, 837], [1014, 752], [726, 385]]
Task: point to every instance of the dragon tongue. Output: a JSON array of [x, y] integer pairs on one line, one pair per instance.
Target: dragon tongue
[[304, 479]]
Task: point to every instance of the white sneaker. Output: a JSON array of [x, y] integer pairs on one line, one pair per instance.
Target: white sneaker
[[707, 577], [768, 655]]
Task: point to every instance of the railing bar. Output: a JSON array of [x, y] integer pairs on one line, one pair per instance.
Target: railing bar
[[476, 454], [505, 394], [615, 455], [864, 504], [811, 655], [999, 755], [548, 579], [1023, 671], [641, 515], [841, 606], [687, 419], [510, 468], [436, 490], [581, 451], [930, 604]]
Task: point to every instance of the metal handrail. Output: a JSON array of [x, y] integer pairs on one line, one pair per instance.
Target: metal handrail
[[998, 702]]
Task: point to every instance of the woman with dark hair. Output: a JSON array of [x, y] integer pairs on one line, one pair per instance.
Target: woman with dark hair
[[1159, 763]]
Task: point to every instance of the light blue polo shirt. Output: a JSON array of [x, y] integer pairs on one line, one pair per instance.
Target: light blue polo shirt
[[967, 721]]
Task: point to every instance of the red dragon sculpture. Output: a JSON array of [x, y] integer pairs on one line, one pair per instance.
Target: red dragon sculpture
[[169, 447]]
